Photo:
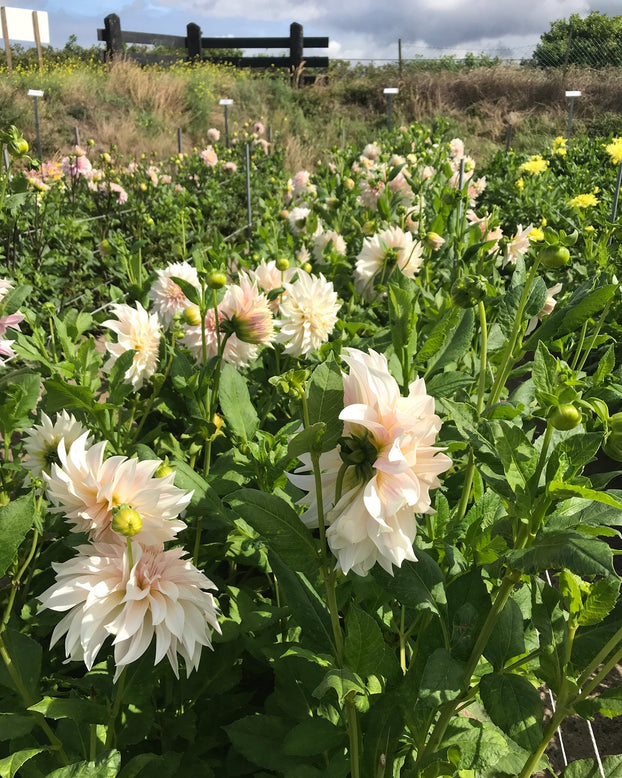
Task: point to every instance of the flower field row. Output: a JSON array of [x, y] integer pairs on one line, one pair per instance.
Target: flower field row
[[333, 499]]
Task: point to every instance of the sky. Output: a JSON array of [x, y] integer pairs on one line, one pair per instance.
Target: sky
[[357, 29]]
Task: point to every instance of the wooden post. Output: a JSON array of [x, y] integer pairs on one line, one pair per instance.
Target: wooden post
[[296, 48], [114, 42], [399, 56], [37, 34], [7, 45], [193, 42], [76, 135]]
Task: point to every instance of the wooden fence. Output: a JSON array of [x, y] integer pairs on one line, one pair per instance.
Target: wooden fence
[[196, 46]]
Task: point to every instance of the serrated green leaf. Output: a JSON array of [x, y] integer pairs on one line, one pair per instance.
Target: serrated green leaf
[[507, 639], [14, 725], [442, 679], [419, 585], [107, 765], [68, 396], [518, 456], [26, 655], [309, 439], [313, 736], [514, 705], [564, 549], [236, 405], [280, 528], [325, 401], [608, 703], [365, 650], [588, 768], [16, 519], [563, 491], [600, 601], [343, 681], [189, 290]]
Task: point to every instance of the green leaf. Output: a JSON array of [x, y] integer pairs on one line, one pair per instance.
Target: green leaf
[[205, 501], [438, 336], [456, 343], [343, 681], [309, 439], [235, 402], [135, 766], [605, 366], [588, 768], [81, 711], [600, 601], [26, 655], [571, 454], [583, 303], [564, 549], [107, 765], [325, 401], [259, 739], [69, 396], [13, 299], [545, 377], [401, 293], [442, 680], [17, 399], [280, 527], [419, 585], [507, 639], [307, 608], [514, 705], [562, 491], [189, 290], [14, 725], [518, 456], [312, 736], [11, 764], [477, 745], [16, 519], [365, 650], [608, 703], [447, 384], [119, 387]]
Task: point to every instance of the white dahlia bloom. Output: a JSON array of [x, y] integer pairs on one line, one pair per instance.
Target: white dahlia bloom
[[162, 595], [390, 248], [373, 521], [249, 311], [268, 277], [85, 487], [41, 441], [166, 295], [328, 238], [308, 314], [297, 220], [139, 331]]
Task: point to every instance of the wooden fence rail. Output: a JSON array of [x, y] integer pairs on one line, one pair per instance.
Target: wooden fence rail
[[195, 45]]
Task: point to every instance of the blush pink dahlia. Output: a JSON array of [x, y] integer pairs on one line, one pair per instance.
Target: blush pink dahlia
[[161, 596], [11, 321], [85, 487], [386, 250], [166, 295], [372, 519], [41, 441]]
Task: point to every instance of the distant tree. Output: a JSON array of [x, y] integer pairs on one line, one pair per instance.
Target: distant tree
[[594, 41]]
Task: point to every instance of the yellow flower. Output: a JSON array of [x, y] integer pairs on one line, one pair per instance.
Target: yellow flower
[[583, 201], [520, 184], [543, 222], [536, 234], [589, 228], [614, 149], [534, 165], [559, 146]]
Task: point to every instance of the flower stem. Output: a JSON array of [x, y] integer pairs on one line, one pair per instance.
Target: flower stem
[[116, 707], [592, 341], [483, 357], [579, 345], [506, 366], [18, 578]]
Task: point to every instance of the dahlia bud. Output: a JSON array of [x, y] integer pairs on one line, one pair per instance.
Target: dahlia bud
[[106, 157], [307, 267], [284, 214], [565, 417], [434, 241], [126, 521], [105, 248], [282, 264], [349, 183], [468, 290], [216, 279], [163, 470], [192, 315]]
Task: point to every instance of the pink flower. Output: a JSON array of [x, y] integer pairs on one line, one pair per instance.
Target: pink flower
[[519, 243], [166, 295], [11, 320], [161, 595], [263, 143], [248, 311], [209, 156], [258, 128], [230, 166], [85, 488], [373, 521], [137, 331], [213, 135]]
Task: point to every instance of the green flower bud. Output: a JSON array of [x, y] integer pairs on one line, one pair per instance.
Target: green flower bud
[[282, 264], [163, 470], [216, 279], [467, 291], [192, 315], [565, 417], [553, 257], [307, 267], [126, 521]]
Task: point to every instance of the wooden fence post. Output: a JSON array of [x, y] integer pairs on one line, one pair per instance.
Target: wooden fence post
[[193, 41], [7, 45], [114, 43], [296, 47]]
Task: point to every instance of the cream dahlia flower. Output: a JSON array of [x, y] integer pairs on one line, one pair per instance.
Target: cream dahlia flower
[[328, 238], [166, 295], [85, 487], [249, 312], [139, 331], [12, 320], [268, 277], [373, 521], [297, 220], [387, 249], [162, 595], [519, 243], [41, 441], [308, 314]]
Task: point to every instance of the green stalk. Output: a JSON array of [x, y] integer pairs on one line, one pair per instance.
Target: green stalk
[[505, 366], [592, 341], [466, 489], [600, 657], [483, 357], [17, 579], [579, 345], [116, 707]]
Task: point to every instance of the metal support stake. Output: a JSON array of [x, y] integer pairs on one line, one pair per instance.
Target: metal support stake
[[5, 157], [76, 135], [226, 126], [570, 114], [390, 112], [508, 137], [39, 153], [179, 140], [249, 215], [616, 200]]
